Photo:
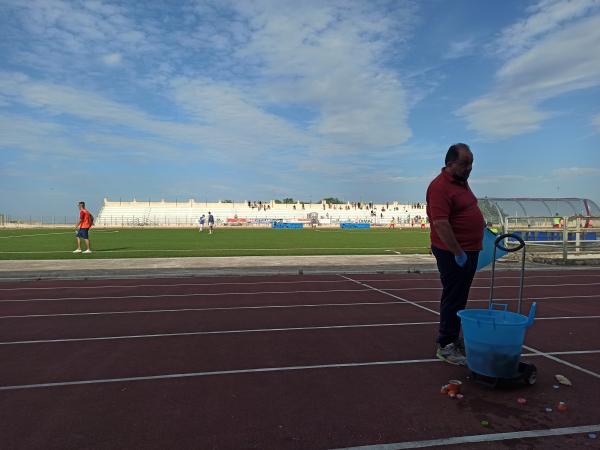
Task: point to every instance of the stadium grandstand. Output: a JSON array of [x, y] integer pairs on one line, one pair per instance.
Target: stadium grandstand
[[181, 214]]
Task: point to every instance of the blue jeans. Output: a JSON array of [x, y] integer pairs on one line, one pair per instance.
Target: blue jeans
[[456, 282]]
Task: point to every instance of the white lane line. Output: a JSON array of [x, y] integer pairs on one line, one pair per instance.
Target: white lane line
[[490, 437], [567, 317], [241, 308], [537, 299], [137, 286], [213, 373], [389, 294], [310, 305], [233, 283], [531, 349], [198, 294], [205, 333], [188, 273], [439, 288], [573, 352], [562, 361], [220, 308], [229, 372], [195, 294]]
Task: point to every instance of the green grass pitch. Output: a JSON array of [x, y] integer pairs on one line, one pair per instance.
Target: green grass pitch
[[58, 243]]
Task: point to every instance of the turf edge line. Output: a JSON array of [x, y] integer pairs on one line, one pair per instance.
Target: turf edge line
[[480, 438]]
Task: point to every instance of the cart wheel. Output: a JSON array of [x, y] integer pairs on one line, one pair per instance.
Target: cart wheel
[[530, 374]]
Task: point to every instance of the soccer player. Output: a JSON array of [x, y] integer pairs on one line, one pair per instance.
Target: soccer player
[[86, 221], [211, 222], [201, 221]]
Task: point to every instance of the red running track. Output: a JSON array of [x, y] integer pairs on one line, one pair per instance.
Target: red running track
[[298, 362]]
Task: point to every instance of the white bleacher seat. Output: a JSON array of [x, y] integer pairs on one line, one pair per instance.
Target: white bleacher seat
[[139, 213]]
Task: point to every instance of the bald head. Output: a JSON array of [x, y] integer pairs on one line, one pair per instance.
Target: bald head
[[459, 161]]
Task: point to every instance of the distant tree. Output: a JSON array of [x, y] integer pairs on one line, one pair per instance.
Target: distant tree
[[332, 201], [226, 201], [288, 201]]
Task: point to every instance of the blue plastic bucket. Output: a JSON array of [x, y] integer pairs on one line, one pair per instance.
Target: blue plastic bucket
[[493, 339]]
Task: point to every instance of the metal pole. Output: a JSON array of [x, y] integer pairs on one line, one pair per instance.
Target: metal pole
[[493, 278], [565, 239], [522, 282], [578, 235]]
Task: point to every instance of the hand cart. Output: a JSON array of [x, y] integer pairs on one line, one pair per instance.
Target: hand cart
[[494, 336]]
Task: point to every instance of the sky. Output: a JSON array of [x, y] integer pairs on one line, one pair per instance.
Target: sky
[[268, 99]]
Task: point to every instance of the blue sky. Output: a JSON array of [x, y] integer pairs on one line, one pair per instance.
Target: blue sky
[[264, 99]]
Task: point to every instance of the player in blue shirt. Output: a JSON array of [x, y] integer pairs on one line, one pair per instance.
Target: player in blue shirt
[[211, 222]]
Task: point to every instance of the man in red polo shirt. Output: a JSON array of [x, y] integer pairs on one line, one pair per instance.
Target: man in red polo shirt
[[83, 228], [456, 239]]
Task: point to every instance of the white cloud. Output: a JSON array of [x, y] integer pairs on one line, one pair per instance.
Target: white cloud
[[112, 59], [546, 16], [499, 179], [38, 138], [561, 62], [458, 49], [596, 122], [269, 58], [332, 57], [575, 172], [222, 125], [495, 116]]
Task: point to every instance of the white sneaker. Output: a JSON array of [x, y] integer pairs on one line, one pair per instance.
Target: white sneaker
[[77, 251], [88, 251]]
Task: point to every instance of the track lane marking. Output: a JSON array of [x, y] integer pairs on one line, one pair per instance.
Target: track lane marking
[[203, 333], [221, 308], [258, 330], [135, 286], [243, 371], [194, 294], [310, 305], [189, 273], [439, 288], [531, 349], [175, 294], [489, 437]]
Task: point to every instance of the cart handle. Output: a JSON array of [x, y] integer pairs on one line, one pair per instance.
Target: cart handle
[[531, 316], [500, 238], [498, 245]]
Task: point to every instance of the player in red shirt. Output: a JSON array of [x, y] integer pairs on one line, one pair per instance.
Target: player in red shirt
[[83, 228], [456, 239]]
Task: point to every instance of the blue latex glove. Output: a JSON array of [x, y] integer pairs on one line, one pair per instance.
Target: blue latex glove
[[461, 259]]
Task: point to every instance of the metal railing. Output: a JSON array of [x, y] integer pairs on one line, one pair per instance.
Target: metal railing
[[563, 238]]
